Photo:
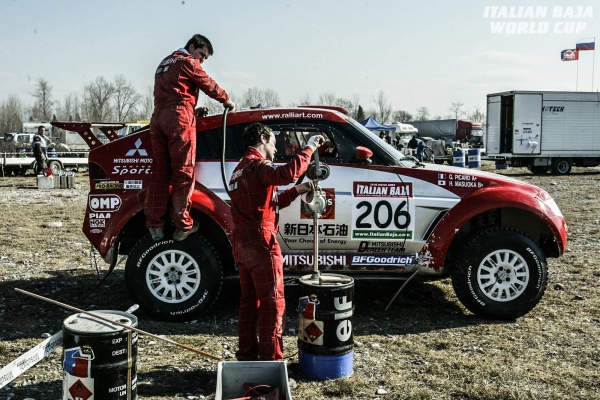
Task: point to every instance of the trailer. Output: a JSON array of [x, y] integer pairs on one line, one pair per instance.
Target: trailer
[[20, 163], [545, 131]]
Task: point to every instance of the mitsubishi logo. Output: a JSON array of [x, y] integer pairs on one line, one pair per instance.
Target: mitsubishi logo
[[142, 152]]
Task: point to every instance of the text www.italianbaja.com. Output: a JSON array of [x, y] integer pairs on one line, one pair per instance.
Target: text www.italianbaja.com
[[291, 115]]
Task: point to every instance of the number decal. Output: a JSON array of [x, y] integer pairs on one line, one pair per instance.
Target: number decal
[[359, 223], [383, 219]]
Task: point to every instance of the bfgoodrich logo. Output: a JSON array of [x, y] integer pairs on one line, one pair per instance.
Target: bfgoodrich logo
[[537, 19]]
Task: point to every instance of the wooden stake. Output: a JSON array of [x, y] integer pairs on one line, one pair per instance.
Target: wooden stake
[[119, 324]]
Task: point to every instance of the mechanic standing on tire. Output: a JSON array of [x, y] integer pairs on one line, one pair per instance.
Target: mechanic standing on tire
[[255, 208], [173, 135]]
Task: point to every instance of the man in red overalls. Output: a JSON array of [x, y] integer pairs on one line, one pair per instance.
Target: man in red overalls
[[173, 135], [255, 207]]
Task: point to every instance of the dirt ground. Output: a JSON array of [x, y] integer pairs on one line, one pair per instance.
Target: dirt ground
[[426, 346]]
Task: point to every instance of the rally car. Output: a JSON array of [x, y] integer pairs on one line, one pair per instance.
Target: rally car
[[387, 215]]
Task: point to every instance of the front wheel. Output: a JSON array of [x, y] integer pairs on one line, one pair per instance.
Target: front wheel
[[501, 273], [174, 280]]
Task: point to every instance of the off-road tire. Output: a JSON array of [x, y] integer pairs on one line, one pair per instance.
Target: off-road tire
[[500, 273], [154, 268]]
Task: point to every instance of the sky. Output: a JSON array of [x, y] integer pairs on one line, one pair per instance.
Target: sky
[[425, 53]]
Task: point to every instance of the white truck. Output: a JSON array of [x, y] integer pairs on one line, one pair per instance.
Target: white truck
[[544, 131], [19, 159]]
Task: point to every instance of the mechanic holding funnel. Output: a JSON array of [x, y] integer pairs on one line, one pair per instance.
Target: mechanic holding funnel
[[173, 135], [255, 207]]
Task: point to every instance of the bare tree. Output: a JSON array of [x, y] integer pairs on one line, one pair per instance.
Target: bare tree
[[69, 108], [126, 99], [266, 98], [423, 114], [305, 99], [96, 100], [384, 109], [456, 109], [477, 115], [146, 105], [402, 116], [327, 99], [11, 115], [42, 108]]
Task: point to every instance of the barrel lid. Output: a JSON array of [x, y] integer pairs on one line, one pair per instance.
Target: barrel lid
[[326, 280], [85, 323]]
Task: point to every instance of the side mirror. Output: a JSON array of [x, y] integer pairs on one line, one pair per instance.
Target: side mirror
[[363, 155]]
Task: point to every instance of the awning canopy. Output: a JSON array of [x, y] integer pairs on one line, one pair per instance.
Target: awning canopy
[[373, 125]]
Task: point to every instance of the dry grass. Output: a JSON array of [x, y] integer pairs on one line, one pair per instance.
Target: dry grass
[[427, 346]]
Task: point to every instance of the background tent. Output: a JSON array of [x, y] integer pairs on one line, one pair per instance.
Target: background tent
[[372, 125]]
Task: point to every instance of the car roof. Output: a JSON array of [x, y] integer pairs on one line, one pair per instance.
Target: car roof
[[308, 113]]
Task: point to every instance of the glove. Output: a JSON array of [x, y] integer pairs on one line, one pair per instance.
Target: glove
[[315, 142], [229, 104]]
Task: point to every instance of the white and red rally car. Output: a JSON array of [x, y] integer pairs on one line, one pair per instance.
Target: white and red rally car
[[388, 217]]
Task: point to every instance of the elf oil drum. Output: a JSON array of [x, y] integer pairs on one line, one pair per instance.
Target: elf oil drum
[[325, 339], [99, 358]]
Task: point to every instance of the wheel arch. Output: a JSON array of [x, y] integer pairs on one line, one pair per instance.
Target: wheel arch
[[470, 216]]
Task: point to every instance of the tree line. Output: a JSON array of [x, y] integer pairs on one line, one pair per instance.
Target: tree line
[[103, 100]]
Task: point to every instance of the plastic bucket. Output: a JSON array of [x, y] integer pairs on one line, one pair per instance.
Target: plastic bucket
[[325, 339], [99, 359], [501, 165], [458, 158], [474, 157]]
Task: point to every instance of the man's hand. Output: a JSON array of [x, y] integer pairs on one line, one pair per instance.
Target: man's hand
[[229, 104], [201, 112], [315, 142], [304, 187]]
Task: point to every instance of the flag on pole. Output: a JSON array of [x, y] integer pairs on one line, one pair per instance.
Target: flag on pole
[[569, 55], [586, 44]]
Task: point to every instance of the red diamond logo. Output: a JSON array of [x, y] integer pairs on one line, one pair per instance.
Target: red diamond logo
[[79, 391], [313, 331]]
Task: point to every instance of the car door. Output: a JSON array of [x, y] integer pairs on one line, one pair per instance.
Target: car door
[[368, 205]]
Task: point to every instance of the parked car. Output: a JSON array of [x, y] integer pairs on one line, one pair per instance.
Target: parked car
[[387, 216]]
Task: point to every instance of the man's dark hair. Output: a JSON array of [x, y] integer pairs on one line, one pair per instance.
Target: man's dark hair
[[200, 41], [254, 132], [40, 127]]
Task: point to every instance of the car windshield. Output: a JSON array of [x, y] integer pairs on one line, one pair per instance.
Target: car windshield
[[383, 144]]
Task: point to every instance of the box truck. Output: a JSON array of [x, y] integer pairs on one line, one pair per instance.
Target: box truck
[[544, 131]]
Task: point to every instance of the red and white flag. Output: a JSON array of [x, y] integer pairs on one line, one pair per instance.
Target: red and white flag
[[569, 55]]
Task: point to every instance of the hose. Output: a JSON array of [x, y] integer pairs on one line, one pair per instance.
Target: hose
[[223, 175]]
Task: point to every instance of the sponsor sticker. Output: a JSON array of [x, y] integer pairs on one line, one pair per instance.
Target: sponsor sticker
[[109, 185], [104, 203], [133, 184], [401, 260]]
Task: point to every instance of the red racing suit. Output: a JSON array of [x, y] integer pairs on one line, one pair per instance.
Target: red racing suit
[[173, 135], [255, 207]]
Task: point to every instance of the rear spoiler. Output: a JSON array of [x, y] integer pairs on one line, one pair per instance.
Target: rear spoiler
[[84, 129]]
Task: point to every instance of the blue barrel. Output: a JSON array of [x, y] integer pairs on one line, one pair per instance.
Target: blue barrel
[[325, 339], [458, 158], [99, 358], [474, 156]]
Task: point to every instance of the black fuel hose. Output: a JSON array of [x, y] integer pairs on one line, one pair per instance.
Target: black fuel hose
[[223, 175]]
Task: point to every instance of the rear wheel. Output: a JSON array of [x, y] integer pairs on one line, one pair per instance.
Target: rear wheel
[[174, 280], [501, 273], [562, 166]]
